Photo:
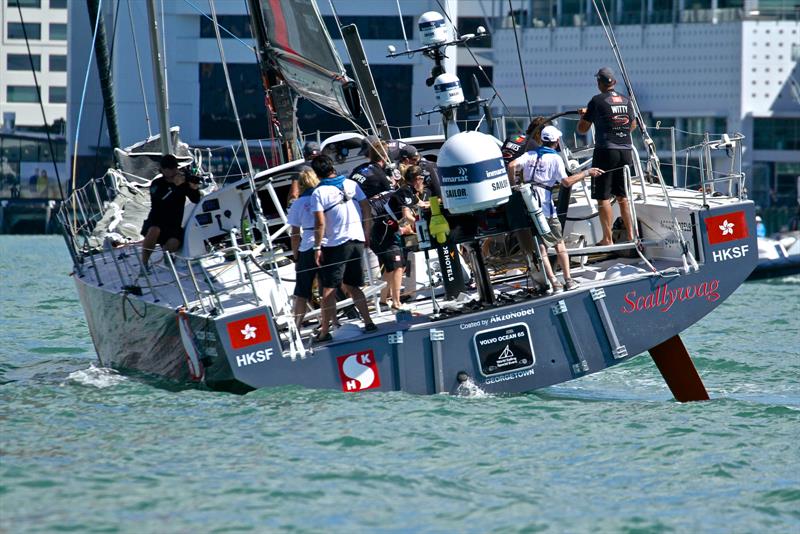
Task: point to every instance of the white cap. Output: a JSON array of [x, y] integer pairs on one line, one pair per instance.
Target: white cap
[[550, 134]]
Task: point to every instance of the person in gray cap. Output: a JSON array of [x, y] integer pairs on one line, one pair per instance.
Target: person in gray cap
[[613, 119], [371, 176], [310, 151]]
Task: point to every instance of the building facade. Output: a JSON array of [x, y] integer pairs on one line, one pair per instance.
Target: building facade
[[45, 22], [198, 99], [698, 65]]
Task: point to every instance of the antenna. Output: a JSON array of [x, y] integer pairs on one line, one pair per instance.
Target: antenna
[[402, 24]]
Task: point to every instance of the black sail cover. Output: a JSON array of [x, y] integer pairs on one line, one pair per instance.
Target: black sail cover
[[300, 47]]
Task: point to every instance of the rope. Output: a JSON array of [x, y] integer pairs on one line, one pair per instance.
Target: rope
[[223, 28]]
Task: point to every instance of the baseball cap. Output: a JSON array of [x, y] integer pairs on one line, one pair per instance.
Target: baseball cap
[[605, 75], [408, 151], [513, 146], [550, 134], [367, 142], [311, 150]]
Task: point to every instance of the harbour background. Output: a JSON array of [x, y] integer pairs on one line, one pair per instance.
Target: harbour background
[[87, 449]]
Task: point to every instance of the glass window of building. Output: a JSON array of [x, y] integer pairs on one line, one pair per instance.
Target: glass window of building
[[17, 31], [21, 93], [58, 63], [25, 3], [58, 32], [238, 25], [58, 4], [21, 62], [216, 114], [371, 27], [58, 95], [776, 134], [573, 13]]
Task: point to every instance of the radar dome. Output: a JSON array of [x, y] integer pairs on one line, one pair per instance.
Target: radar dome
[[432, 29], [472, 173], [447, 88]]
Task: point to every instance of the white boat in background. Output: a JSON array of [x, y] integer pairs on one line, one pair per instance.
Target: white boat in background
[[778, 256]]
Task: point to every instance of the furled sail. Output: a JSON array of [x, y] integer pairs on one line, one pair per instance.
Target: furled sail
[[299, 47]]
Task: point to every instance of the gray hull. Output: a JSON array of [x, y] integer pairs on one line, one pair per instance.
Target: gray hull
[[510, 348]]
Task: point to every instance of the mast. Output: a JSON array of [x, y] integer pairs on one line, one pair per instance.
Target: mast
[[104, 71], [158, 78]]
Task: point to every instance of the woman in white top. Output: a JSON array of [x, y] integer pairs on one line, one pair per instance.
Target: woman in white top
[[301, 219]]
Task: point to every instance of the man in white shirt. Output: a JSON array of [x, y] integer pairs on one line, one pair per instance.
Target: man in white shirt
[[338, 221], [543, 168]]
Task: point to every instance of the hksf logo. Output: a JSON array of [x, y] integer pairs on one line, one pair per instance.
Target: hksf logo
[[358, 371], [250, 331]]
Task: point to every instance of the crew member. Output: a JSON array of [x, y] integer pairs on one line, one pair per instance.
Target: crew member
[[392, 218], [544, 168], [339, 237], [409, 155], [168, 194], [310, 151], [371, 176], [301, 219], [613, 119]]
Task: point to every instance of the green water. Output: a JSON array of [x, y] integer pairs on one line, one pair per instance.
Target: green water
[[86, 450]]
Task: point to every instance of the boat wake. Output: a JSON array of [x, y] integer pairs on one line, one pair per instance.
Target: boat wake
[[98, 377], [470, 389]]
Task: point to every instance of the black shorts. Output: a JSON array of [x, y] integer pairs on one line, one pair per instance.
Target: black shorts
[[342, 264], [166, 232], [306, 269], [612, 182], [390, 256]]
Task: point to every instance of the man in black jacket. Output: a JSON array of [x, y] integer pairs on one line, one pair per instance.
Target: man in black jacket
[[168, 195]]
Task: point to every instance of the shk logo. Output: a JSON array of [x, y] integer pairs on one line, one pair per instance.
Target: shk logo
[[249, 331], [728, 227], [358, 371]]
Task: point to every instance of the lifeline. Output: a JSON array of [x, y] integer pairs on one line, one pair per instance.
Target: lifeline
[[664, 297]]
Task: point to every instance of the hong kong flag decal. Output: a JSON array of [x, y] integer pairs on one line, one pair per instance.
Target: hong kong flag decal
[[250, 331], [728, 227], [358, 371]]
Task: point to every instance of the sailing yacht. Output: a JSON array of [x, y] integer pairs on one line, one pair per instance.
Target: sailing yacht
[[218, 312]]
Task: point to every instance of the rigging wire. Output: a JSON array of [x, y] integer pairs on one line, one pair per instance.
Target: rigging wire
[[83, 100], [402, 23], [251, 172], [519, 57], [475, 60], [139, 68], [110, 62], [688, 258], [165, 62], [41, 105]]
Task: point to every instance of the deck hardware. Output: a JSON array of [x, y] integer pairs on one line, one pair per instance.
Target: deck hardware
[[437, 355], [396, 338], [579, 363], [618, 350]]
